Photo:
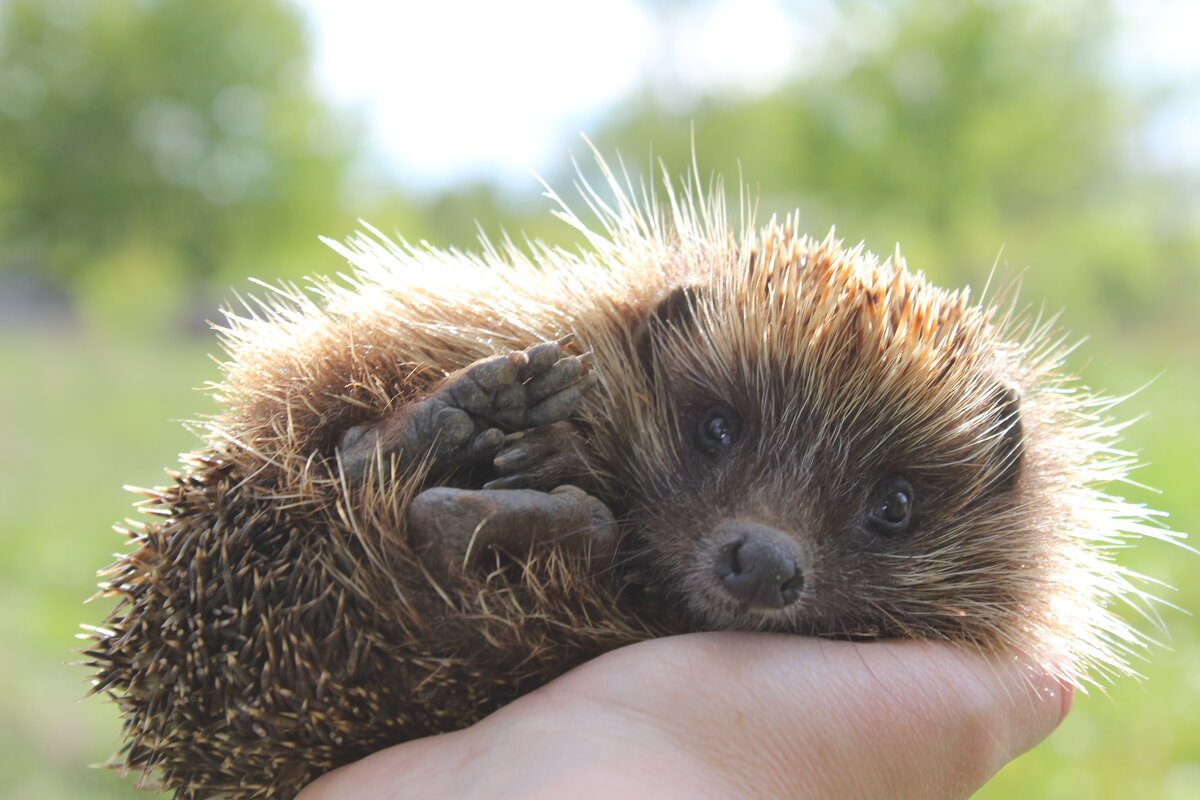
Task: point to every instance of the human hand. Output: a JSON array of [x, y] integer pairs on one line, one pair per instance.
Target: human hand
[[736, 715]]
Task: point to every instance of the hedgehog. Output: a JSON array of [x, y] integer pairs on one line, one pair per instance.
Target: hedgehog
[[444, 479]]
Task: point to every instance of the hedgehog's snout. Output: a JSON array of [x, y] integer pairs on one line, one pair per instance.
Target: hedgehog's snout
[[760, 567]]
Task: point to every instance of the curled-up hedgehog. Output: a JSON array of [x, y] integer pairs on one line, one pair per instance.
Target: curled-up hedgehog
[[442, 481]]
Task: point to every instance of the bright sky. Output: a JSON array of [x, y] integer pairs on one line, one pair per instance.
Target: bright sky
[[460, 88]]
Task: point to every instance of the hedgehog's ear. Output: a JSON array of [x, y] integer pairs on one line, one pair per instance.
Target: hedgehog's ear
[[676, 310], [1010, 447]]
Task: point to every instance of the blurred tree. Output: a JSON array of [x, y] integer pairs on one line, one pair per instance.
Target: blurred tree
[[956, 129], [161, 141]]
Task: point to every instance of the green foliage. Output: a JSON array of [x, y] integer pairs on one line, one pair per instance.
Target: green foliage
[[959, 130], [167, 126], [86, 416]]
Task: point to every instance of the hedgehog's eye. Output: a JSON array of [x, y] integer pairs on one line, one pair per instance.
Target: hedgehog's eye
[[718, 430], [891, 507]]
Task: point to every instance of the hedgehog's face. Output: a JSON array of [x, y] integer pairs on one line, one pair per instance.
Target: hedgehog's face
[[784, 497]]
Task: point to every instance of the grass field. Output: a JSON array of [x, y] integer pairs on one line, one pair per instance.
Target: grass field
[[81, 417]]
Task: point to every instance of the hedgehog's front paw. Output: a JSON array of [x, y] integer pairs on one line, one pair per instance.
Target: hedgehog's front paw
[[464, 420], [468, 415], [520, 390], [541, 458], [457, 527]]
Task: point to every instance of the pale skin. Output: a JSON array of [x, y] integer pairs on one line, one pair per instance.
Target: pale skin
[[721, 715]]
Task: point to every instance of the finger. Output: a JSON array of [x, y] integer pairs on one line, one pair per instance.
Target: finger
[[793, 716], [721, 715]]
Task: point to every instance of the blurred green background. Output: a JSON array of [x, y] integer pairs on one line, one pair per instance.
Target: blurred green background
[[154, 154]]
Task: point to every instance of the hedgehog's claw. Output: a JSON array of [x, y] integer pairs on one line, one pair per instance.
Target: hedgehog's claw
[[540, 458], [485, 444]]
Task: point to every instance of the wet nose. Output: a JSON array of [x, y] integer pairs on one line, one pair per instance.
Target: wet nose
[[760, 567]]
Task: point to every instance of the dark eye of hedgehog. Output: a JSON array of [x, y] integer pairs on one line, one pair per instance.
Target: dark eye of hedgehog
[[891, 506], [718, 430]]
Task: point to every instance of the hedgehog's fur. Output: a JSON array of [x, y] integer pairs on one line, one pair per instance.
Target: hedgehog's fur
[[274, 621]]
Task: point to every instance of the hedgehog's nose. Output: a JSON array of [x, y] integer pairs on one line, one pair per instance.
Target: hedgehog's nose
[[761, 567]]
